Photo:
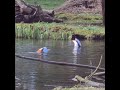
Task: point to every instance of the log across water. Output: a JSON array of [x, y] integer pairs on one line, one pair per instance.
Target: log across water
[[59, 63]]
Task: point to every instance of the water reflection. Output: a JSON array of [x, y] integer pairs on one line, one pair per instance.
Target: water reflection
[[43, 56], [17, 82], [76, 52]]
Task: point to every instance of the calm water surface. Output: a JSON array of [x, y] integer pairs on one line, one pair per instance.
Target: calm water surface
[[35, 75]]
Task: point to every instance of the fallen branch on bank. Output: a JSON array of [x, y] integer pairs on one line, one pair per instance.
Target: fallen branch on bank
[[88, 82], [88, 77]]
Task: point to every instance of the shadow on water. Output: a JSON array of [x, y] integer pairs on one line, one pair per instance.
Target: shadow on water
[[32, 75]]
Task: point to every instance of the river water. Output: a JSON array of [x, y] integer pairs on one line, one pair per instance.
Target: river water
[[36, 75]]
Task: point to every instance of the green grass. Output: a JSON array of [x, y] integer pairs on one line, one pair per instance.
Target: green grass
[[57, 31], [83, 18], [46, 4]]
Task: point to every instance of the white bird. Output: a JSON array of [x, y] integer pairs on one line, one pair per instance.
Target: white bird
[[77, 44], [76, 40]]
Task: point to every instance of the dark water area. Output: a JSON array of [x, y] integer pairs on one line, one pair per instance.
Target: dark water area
[[35, 75]]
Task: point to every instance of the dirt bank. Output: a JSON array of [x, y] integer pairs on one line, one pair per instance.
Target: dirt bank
[[79, 6]]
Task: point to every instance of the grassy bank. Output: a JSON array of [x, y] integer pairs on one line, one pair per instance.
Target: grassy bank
[[81, 19], [57, 31], [88, 25], [46, 4]]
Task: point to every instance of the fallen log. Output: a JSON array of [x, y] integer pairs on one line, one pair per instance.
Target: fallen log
[[99, 78], [99, 74], [59, 63], [87, 82]]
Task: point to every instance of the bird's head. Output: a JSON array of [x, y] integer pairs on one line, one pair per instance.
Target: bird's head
[[76, 40], [40, 50]]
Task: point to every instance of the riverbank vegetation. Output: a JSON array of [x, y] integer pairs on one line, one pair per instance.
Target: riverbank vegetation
[[88, 25], [57, 31]]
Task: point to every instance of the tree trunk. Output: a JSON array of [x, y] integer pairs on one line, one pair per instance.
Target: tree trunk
[[23, 7], [103, 11], [30, 13]]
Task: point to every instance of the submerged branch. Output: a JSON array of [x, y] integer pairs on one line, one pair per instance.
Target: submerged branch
[[88, 77]]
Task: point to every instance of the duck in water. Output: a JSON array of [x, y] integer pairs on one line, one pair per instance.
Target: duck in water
[[43, 50]]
